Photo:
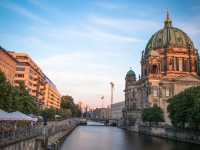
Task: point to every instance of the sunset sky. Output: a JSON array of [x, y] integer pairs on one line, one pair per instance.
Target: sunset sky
[[83, 45]]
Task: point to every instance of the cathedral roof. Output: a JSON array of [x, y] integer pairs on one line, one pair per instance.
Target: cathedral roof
[[168, 37], [130, 73]]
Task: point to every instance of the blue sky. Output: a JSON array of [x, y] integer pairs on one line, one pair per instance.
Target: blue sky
[[82, 45]]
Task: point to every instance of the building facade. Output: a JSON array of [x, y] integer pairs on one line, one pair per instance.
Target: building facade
[[169, 64], [19, 67], [116, 110], [7, 65], [52, 97], [102, 113], [30, 74], [36, 82]]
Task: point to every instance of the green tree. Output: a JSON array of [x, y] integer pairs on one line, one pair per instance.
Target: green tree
[[153, 114], [49, 112], [15, 98], [25, 102], [65, 113], [67, 102], [184, 108], [5, 93]]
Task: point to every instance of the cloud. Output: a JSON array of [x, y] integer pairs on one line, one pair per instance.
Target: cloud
[[101, 35], [80, 75], [127, 24], [24, 12]]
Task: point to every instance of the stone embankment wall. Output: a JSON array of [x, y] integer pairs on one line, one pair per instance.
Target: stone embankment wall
[[171, 133], [56, 133], [28, 144]]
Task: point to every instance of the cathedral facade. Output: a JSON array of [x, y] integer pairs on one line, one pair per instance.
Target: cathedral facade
[[169, 64]]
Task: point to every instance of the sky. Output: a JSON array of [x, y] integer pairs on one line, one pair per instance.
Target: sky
[[83, 45]]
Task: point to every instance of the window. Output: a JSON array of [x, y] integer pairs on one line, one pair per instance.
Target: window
[[162, 64], [167, 92], [176, 64], [154, 69], [20, 69], [155, 91], [19, 75]]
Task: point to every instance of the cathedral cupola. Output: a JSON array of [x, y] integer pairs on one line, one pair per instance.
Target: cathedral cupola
[[130, 77], [168, 37], [170, 51], [131, 74]]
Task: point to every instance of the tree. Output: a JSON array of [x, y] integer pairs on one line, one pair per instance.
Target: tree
[[25, 102], [65, 113], [184, 108], [153, 114], [5, 95], [49, 112], [67, 103], [15, 98]]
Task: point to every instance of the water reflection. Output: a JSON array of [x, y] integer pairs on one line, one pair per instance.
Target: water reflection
[[111, 138]]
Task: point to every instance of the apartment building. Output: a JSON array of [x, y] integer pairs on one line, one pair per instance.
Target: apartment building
[[52, 97], [35, 81], [7, 65]]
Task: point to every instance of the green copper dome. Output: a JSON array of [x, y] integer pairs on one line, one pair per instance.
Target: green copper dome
[[168, 37], [130, 73]]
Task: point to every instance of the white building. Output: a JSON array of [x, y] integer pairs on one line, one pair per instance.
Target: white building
[[116, 110]]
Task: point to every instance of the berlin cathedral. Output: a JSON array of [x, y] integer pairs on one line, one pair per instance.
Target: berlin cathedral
[[169, 64]]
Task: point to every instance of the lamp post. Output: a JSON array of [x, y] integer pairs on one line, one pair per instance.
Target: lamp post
[[102, 98], [112, 88]]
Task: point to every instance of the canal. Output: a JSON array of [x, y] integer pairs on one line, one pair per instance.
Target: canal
[[111, 138]]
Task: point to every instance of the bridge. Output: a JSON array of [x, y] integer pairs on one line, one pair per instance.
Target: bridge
[[110, 122]]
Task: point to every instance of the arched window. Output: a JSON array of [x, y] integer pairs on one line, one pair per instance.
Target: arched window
[[154, 69]]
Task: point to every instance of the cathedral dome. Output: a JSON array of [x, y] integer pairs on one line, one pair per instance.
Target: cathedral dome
[[130, 73], [168, 37]]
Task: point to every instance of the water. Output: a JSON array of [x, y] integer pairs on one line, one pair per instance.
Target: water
[[112, 138]]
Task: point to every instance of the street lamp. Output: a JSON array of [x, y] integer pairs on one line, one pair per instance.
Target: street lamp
[[102, 98]]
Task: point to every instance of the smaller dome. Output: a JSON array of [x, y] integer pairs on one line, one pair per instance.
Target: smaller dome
[[130, 73]]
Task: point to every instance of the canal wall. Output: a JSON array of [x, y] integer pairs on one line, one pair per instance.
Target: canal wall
[[55, 142], [33, 140], [171, 133], [29, 144]]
